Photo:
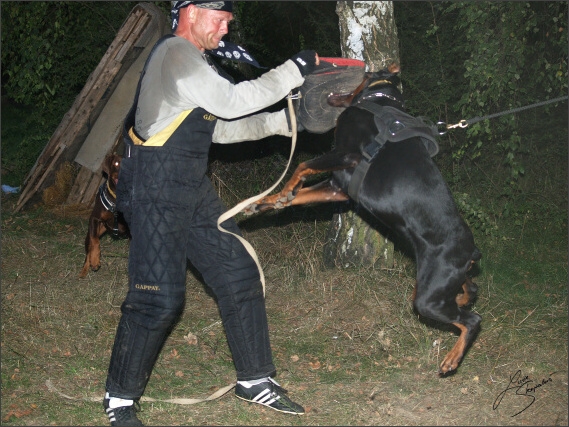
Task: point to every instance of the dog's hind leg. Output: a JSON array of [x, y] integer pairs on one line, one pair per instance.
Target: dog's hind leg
[[470, 289]]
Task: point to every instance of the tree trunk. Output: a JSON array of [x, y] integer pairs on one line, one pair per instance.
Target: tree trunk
[[351, 242], [368, 33]]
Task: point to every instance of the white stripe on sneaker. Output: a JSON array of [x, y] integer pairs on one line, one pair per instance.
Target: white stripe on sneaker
[[270, 402], [262, 396]]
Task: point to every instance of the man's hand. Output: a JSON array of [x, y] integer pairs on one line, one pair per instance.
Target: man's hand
[[306, 60]]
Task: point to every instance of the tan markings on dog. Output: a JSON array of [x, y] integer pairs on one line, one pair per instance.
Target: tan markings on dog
[[380, 82], [452, 359], [464, 298]]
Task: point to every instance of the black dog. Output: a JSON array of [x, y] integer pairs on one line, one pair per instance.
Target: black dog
[[104, 217], [382, 160]]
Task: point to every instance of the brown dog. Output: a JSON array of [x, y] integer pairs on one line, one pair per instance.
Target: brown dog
[[104, 216]]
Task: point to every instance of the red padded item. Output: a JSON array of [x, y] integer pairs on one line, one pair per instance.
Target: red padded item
[[344, 62]]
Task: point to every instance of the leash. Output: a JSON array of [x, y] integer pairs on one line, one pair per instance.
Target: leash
[[240, 206], [176, 401], [465, 123]]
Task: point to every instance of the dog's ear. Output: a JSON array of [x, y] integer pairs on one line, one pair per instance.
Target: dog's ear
[[107, 164]]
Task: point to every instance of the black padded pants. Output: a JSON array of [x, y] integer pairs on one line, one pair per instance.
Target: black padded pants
[[172, 217]]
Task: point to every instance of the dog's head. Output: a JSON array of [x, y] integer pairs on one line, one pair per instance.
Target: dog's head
[[378, 85], [111, 166]]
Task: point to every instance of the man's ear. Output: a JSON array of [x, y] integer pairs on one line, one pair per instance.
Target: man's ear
[[191, 13]]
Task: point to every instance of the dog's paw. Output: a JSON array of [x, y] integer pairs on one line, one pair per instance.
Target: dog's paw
[[448, 366], [251, 209]]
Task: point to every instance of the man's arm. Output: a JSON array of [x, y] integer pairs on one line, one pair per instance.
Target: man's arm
[[190, 83], [251, 128]]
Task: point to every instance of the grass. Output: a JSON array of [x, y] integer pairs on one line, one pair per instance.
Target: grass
[[346, 342]]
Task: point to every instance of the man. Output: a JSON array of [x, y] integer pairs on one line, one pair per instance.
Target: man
[[183, 105]]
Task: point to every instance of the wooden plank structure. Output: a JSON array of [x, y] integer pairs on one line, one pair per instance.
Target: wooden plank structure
[[144, 25]]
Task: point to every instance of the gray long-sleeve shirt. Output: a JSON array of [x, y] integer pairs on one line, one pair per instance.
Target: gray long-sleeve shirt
[[178, 79]]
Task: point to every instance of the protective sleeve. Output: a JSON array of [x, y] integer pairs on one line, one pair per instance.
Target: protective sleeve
[[251, 128]]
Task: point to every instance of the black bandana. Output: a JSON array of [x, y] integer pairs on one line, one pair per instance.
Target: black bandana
[[225, 49], [226, 6]]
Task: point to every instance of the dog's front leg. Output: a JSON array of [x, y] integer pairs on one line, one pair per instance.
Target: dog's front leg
[[93, 246], [325, 191], [469, 325], [87, 264], [328, 192]]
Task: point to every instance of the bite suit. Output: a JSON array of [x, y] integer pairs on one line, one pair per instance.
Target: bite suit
[[182, 105]]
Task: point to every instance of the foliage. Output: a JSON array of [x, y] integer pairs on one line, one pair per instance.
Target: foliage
[[274, 31], [50, 48], [478, 58], [23, 138], [474, 214], [462, 60], [517, 56], [48, 51]]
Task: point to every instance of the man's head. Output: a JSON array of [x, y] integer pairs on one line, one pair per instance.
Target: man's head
[[203, 23]]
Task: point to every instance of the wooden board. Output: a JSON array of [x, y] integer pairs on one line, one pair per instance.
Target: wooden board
[[131, 39]]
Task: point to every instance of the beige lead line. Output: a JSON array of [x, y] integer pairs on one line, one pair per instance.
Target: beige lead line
[[240, 206], [175, 401], [186, 401]]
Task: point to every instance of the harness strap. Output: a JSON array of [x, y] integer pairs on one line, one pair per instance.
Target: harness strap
[[357, 178], [393, 125], [105, 199], [109, 205]]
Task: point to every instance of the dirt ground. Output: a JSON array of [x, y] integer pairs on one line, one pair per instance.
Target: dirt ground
[[346, 343]]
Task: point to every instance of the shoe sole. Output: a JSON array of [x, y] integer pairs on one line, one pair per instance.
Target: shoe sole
[[268, 406]]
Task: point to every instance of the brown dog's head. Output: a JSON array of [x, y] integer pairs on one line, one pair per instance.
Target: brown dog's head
[[384, 81], [111, 166]]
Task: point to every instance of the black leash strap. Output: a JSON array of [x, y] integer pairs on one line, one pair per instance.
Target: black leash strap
[[465, 123]]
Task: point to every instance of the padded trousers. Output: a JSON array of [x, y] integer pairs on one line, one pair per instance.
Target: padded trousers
[[172, 210]]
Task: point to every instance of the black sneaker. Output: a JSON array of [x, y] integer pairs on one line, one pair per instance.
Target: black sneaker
[[268, 393], [123, 415]]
